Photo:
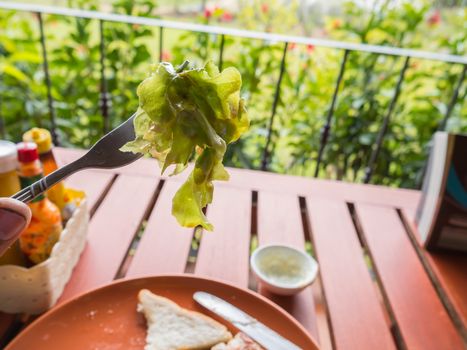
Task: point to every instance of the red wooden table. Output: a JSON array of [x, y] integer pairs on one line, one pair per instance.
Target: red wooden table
[[377, 289]]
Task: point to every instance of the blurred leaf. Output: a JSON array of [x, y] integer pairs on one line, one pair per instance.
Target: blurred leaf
[[11, 70]]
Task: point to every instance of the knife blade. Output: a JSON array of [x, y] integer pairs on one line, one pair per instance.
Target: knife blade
[[257, 331]]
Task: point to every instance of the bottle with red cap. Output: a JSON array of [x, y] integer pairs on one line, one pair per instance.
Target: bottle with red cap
[[43, 232]]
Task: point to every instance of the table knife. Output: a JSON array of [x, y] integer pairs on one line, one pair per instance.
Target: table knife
[[257, 331]]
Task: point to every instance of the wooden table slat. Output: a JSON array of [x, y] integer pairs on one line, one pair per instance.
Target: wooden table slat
[[280, 221], [165, 245], [422, 319], [111, 231], [224, 253], [356, 315], [450, 270]]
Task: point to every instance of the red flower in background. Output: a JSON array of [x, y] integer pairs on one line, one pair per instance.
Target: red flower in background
[[434, 19], [166, 56], [227, 16], [264, 8], [207, 13], [310, 48]]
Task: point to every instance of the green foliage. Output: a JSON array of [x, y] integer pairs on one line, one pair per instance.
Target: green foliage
[[73, 57], [305, 95], [369, 86]]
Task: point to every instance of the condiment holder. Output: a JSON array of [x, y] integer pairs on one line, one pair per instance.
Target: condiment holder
[[36, 289], [282, 269]]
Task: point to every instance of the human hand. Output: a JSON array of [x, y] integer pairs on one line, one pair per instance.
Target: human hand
[[14, 218]]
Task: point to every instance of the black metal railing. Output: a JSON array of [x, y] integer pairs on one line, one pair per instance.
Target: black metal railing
[[264, 161], [45, 62], [384, 126], [327, 127], [223, 32]]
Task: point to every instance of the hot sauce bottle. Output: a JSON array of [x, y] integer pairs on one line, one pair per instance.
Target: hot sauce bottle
[[43, 140], [37, 241]]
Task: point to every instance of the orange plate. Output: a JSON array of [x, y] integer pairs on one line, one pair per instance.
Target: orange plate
[[106, 318]]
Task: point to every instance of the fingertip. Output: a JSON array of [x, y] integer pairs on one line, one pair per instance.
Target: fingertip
[[11, 224], [17, 207]]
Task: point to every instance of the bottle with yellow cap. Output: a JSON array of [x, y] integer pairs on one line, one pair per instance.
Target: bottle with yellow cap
[[43, 140]]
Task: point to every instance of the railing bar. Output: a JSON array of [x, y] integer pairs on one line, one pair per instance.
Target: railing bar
[[384, 127], [453, 101], [104, 98], [269, 37], [50, 102], [161, 43], [265, 158], [327, 127], [221, 52]]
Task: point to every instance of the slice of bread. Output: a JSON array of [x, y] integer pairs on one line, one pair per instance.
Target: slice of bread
[[239, 342], [171, 327]]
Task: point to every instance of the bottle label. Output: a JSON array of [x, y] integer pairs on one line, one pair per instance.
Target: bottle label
[[37, 243], [28, 181]]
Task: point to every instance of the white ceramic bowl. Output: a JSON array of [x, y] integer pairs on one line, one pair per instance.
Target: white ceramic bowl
[[282, 269]]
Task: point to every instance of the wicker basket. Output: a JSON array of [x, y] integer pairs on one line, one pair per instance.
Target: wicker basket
[[36, 289]]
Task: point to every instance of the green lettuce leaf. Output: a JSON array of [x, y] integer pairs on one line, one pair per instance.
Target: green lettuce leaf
[[188, 113]]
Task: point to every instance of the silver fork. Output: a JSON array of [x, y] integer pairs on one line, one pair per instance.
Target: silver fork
[[105, 154]]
